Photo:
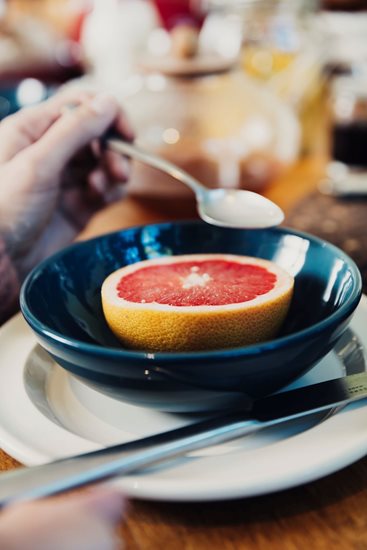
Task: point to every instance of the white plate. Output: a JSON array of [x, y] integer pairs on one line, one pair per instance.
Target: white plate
[[46, 414]]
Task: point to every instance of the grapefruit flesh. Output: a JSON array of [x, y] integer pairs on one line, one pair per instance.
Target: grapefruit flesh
[[196, 302]]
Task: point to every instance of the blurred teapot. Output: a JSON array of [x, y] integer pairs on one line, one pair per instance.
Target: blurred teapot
[[200, 111]]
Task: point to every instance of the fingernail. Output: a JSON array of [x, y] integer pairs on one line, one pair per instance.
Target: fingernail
[[102, 103]]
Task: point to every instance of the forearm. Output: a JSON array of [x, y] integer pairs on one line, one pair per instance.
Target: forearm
[[9, 286]]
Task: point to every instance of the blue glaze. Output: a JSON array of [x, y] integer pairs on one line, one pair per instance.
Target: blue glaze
[[60, 300]]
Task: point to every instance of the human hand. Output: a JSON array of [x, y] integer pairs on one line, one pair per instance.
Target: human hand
[[86, 521], [53, 174]]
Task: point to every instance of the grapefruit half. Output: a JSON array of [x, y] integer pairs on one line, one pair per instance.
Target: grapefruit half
[[196, 302]]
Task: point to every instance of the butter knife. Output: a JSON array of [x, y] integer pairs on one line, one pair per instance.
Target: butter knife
[[69, 473]]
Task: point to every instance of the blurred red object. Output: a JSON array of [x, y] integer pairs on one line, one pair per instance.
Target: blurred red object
[[178, 12], [78, 19]]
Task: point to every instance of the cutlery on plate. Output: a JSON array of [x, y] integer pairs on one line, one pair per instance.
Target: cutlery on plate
[[106, 463]]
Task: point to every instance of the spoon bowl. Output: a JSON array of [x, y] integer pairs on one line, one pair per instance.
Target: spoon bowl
[[238, 208], [222, 207]]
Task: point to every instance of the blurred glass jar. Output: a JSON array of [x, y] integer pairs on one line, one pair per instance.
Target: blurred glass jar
[[209, 118], [346, 172], [275, 34], [283, 48], [349, 120]]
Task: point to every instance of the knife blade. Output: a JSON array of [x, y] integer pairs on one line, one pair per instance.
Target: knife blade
[[69, 473]]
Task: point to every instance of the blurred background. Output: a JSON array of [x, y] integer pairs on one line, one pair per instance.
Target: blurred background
[[238, 92], [298, 58]]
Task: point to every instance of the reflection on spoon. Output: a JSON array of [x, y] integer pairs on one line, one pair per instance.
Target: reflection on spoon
[[224, 207]]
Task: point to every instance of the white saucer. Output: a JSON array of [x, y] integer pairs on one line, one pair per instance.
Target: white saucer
[[46, 414]]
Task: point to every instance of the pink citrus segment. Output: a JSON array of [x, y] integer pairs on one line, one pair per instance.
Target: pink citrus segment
[[196, 302], [212, 282]]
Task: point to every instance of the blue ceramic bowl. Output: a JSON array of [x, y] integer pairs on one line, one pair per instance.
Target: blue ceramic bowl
[[60, 300]]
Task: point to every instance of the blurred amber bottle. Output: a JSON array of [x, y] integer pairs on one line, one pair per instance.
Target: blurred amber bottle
[[282, 48]]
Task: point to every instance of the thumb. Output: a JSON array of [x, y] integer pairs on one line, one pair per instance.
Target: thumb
[[75, 129]]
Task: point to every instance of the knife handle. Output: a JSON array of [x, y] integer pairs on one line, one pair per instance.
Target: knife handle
[[69, 473]]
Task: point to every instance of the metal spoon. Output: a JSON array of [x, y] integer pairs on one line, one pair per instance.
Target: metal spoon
[[224, 207]]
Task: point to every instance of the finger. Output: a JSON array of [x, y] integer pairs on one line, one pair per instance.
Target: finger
[[115, 193], [96, 148], [20, 130], [73, 131], [98, 182], [78, 521], [117, 166], [107, 503], [69, 96], [101, 188], [124, 127]]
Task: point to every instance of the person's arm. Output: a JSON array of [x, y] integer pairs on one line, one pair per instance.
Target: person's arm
[[9, 286], [53, 177]]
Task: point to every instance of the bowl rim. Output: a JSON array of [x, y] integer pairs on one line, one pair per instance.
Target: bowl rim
[[250, 350]]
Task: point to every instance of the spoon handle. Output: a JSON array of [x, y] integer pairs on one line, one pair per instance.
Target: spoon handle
[[130, 150]]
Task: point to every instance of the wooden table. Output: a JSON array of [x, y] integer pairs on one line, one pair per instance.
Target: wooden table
[[327, 514]]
